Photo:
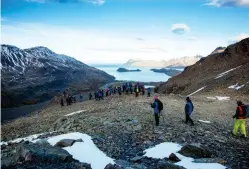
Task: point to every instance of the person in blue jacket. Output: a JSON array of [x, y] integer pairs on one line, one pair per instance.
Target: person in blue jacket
[[189, 107]]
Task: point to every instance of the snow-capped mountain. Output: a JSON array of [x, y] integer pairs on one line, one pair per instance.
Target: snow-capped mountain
[[39, 71], [176, 62]]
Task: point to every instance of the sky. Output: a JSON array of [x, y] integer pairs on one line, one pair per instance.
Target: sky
[[114, 31]]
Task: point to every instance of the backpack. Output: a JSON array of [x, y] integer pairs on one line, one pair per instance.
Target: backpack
[[246, 108], [160, 105]]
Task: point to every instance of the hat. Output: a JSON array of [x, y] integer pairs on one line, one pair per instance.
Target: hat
[[187, 98]]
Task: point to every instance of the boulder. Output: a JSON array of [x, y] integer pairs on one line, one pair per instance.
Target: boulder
[[163, 164], [137, 158], [195, 151], [66, 142], [174, 158], [113, 166], [42, 153], [32, 155]]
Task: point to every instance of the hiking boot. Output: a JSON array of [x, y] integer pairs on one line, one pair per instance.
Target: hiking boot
[[243, 136]]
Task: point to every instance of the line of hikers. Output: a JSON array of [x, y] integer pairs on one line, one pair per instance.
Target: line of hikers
[[122, 88], [242, 112]]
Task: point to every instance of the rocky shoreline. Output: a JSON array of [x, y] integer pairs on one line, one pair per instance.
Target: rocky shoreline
[[123, 127]]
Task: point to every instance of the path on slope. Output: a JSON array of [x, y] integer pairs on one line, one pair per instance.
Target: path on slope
[[124, 125]]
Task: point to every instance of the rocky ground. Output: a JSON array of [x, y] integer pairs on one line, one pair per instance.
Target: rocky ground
[[123, 126]]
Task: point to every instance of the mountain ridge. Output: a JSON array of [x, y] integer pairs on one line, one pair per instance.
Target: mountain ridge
[[42, 73]]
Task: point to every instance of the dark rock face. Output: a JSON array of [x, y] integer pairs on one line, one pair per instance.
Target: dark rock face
[[127, 70], [30, 155], [195, 151], [169, 72], [38, 74]]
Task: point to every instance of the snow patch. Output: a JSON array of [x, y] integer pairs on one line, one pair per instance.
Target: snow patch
[[165, 149], [222, 98], [197, 90], [213, 98], [77, 112], [203, 121], [236, 87], [226, 72], [31, 138], [85, 151]]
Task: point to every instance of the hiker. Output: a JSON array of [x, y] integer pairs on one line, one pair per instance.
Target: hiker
[[101, 94], [143, 90], [62, 102], [96, 95], [119, 90], [106, 92], [136, 91], [123, 86], [90, 96], [81, 98], [240, 121], [148, 91], [189, 107], [74, 99], [158, 107]]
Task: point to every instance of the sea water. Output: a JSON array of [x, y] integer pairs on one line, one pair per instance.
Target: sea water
[[145, 75]]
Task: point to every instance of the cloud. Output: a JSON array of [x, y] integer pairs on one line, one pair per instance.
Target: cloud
[[228, 3], [180, 28], [105, 46], [192, 38], [95, 2], [238, 38], [3, 19], [140, 39]]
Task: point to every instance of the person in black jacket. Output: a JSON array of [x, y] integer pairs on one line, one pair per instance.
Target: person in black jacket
[[189, 107], [158, 107]]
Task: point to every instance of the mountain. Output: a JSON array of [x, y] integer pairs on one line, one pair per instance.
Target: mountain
[[37, 74], [218, 50], [178, 62], [220, 73]]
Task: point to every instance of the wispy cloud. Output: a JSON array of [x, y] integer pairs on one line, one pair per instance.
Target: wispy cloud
[[228, 3], [3, 19], [180, 28], [96, 2], [238, 38]]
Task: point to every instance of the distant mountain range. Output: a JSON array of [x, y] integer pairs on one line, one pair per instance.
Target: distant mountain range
[[224, 71], [178, 62], [38, 74]]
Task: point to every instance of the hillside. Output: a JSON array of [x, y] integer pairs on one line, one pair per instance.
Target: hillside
[[123, 127], [178, 62], [37, 74], [224, 73]]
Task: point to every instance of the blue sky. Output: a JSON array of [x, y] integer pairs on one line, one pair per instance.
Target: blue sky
[[113, 31]]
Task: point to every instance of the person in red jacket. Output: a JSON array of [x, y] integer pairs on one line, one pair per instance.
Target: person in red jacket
[[240, 121]]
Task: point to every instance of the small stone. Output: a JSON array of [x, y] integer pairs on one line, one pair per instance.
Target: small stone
[[65, 143], [174, 158], [137, 158]]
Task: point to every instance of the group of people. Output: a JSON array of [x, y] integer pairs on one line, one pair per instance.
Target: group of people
[[68, 98], [240, 115], [122, 88]]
